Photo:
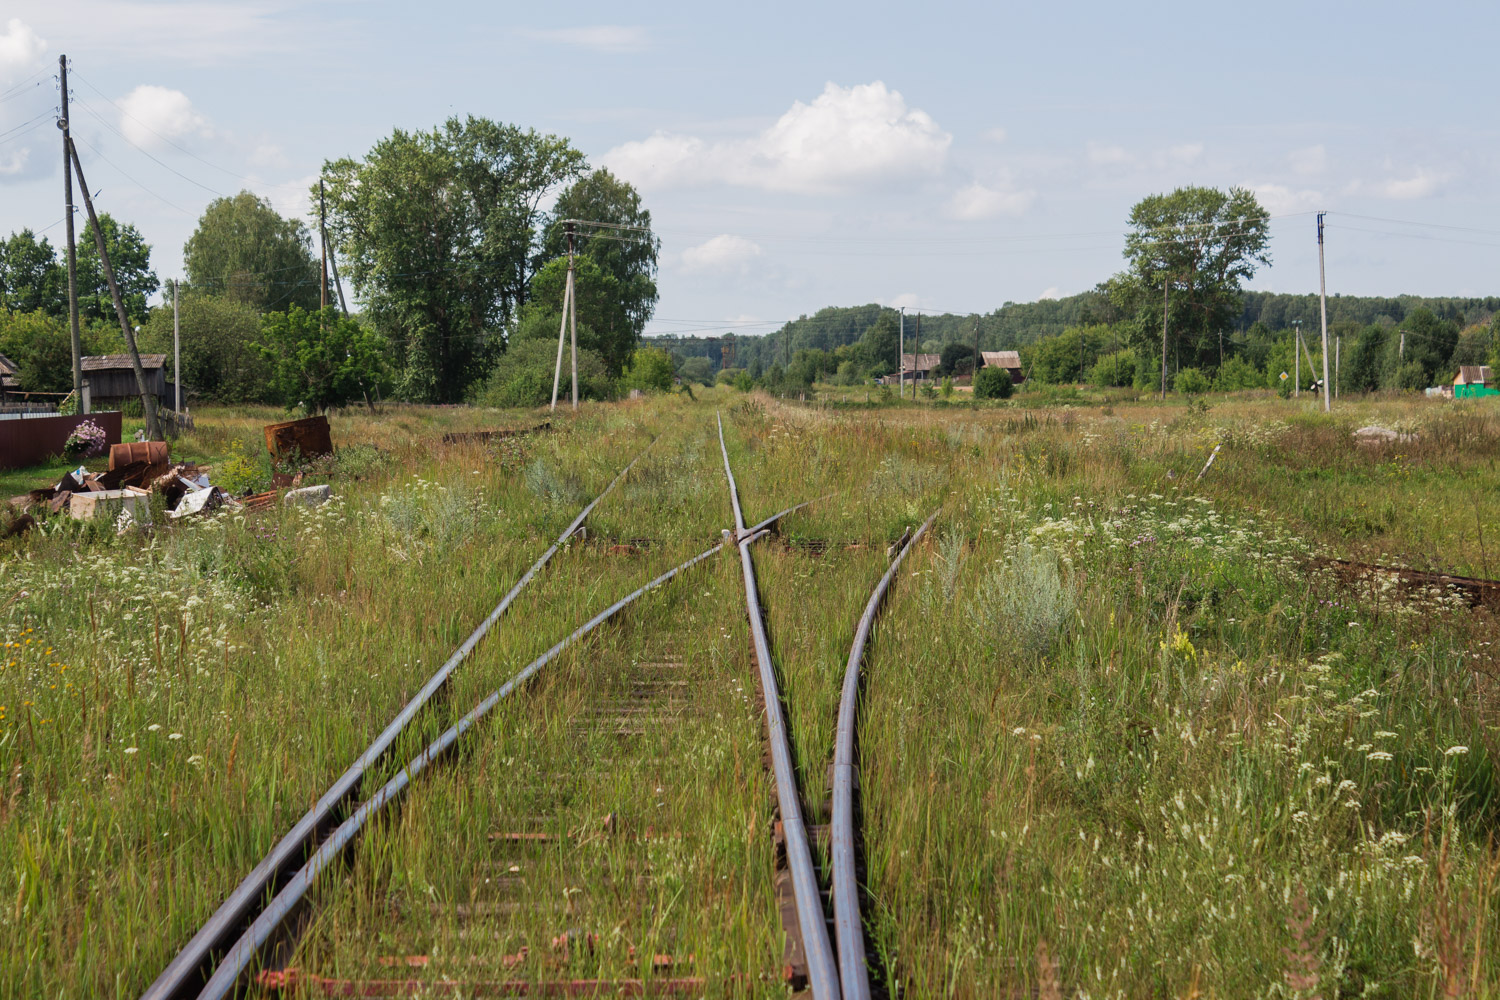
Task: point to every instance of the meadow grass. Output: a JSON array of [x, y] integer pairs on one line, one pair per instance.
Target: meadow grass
[[1119, 736]]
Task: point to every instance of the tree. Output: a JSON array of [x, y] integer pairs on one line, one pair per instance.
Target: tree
[[603, 321], [1200, 243], [321, 359], [523, 377], [627, 250], [244, 251], [42, 349], [1428, 342], [130, 257], [697, 369], [439, 230], [31, 277], [881, 343], [957, 359], [220, 359], [993, 383], [650, 368]]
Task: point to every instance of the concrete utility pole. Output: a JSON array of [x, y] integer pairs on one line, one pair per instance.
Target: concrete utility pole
[[329, 260], [1166, 284], [562, 330], [148, 401], [915, 352], [1297, 357], [1323, 300], [77, 339], [176, 351], [901, 359], [1338, 348]]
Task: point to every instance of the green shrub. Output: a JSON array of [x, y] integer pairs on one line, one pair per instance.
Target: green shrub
[[523, 376], [1190, 381], [1116, 369], [993, 383], [650, 370], [1238, 373], [743, 382]]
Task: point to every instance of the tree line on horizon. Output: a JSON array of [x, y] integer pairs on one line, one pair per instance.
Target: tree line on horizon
[[452, 246]]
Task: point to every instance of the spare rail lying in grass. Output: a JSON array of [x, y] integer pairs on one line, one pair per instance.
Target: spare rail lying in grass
[[848, 925], [187, 971], [243, 952], [822, 975]]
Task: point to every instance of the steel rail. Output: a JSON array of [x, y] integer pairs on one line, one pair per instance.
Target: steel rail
[[822, 974], [187, 970], [244, 950], [847, 921]]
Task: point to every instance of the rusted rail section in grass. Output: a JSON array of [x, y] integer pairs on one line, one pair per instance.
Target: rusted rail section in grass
[[1476, 590], [187, 971], [243, 952], [848, 923], [822, 973]]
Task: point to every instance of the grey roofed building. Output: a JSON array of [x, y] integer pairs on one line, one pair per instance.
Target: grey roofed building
[[1009, 360], [111, 377]]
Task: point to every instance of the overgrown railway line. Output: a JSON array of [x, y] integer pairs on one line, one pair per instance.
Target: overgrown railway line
[[258, 926]]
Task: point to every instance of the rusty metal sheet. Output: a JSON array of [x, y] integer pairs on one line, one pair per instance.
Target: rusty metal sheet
[[308, 437], [150, 452]]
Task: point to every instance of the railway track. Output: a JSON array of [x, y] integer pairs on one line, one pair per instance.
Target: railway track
[[258, 926], [832, 966]]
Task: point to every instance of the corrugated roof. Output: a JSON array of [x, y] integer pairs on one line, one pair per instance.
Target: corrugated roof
[[106, 362], [1473, 375], [7, 366], [920, 362], [1001, 359]]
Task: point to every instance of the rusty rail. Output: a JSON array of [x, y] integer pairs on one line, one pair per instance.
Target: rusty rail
[[822, 972], [227, 974], [190, 967], [848, 922]]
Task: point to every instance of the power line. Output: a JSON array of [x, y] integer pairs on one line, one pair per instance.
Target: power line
[[129, 178], [101, 120], [181, 149]]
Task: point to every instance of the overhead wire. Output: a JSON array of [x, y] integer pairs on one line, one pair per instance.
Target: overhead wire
[[105, 122]]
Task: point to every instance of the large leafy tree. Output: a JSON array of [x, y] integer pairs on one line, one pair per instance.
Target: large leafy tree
[[623, 247], [1198, 244], [321, 359], [130, 256], [440, 232], [219, 358], [40, 346], [31, 277], [245, 251]]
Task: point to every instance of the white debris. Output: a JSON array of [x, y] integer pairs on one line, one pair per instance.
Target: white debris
[[311, 496]]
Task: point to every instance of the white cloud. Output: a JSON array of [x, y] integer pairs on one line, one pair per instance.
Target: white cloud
[[268, 154], [597, 37], [1310, 161], [1052, 293], [292, 198], [721, 253], [978, 201], [14, 164], [847, 136], [906, 300], [1279, 199], [1104, 155], [151, 114], [20, 49], [1419, 185], [1186, 152], [995, 134]]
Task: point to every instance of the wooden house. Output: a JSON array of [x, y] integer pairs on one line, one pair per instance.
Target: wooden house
[[1009, 360], [112, 379], [919, 367], [1473, 381]]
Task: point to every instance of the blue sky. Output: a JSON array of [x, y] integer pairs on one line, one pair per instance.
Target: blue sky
[[944, 157]]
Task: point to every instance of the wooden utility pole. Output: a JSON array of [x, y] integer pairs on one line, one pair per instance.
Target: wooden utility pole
[[975, 373], [323, 269], [1323, 300], [330, 261], [77, 339], [148, 401], [176, 354], [1166, 285], [573, 316]]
